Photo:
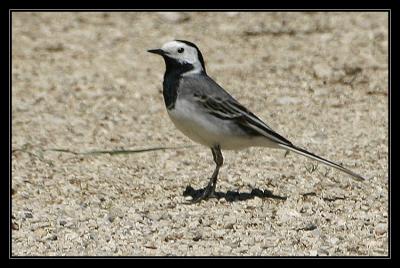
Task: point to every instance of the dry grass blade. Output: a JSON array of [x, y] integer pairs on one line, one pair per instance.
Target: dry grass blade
[[115, 152]]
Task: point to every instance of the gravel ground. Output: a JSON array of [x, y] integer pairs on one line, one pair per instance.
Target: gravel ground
[[84, 81]]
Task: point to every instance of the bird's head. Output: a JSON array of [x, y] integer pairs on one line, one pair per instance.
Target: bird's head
[[181, 53]]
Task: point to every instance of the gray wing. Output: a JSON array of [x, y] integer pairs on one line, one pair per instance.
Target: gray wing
[[221, 104]]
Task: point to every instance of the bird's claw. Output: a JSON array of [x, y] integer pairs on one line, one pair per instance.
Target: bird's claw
[[206, 193], [201, 194]]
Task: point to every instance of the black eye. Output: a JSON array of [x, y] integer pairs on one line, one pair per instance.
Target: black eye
[[180, 50]]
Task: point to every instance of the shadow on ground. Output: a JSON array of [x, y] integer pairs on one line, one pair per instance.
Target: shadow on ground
[[232, 196]]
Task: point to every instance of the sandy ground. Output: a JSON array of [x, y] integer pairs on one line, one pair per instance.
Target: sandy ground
[[84, 81]]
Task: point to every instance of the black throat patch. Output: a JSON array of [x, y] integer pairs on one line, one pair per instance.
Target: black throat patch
[[173, 74]]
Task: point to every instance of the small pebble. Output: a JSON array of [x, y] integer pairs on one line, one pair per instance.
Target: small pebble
[[381, 229], [229, 225], [322, 70], [232, 13], [267, 244], [233, 244], [310, 227], [334, 240], [322, 252], [287, 100], [111, 217], [188, 198], [52, 237], [174, 17], [254, 203], [14, 226], [197, 237], [316, 233]]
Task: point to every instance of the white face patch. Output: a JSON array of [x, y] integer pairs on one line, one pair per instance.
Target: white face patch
[[183, 53]]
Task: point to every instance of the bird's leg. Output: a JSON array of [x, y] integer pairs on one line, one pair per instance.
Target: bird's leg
[[209, 190], [219, 160]]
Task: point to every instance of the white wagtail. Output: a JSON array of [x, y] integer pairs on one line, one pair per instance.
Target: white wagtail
[[209, 115]]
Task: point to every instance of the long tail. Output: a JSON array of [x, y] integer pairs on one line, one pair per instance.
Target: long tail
[[322, 160]]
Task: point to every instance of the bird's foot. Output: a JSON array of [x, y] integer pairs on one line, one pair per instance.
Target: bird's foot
[[206, 193], [201, 194]]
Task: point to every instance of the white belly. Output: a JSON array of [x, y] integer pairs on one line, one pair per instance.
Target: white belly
[[209, 130]]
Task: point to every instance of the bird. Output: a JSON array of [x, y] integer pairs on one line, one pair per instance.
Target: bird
[[207, 114]]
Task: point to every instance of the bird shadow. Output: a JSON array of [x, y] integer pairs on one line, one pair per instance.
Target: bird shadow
[[233, 196]]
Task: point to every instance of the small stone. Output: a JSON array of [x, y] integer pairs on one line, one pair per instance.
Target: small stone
[[110, 217], [287, 100], [219, 234], [255, 250], [310, 227], [381, 229], [322, 70], [114, 213], [269, 243], [255, 202], [232, 13], [197, 237], [150, 245], [322, 252], [229, 225], [233, 244], [255, 30], [55, 47], [334, 240], [320, 136], [14, 226], [229, 222], [39, 233], [28, 215], [365, 208], [352, 70], [174, 17], [340, 222], [52, 237], [188, 198], [248, 240], [107, 238], [287, 214], [156, 216], [316, 233]]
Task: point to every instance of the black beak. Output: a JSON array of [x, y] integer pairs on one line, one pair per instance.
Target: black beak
[[156, 51]]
